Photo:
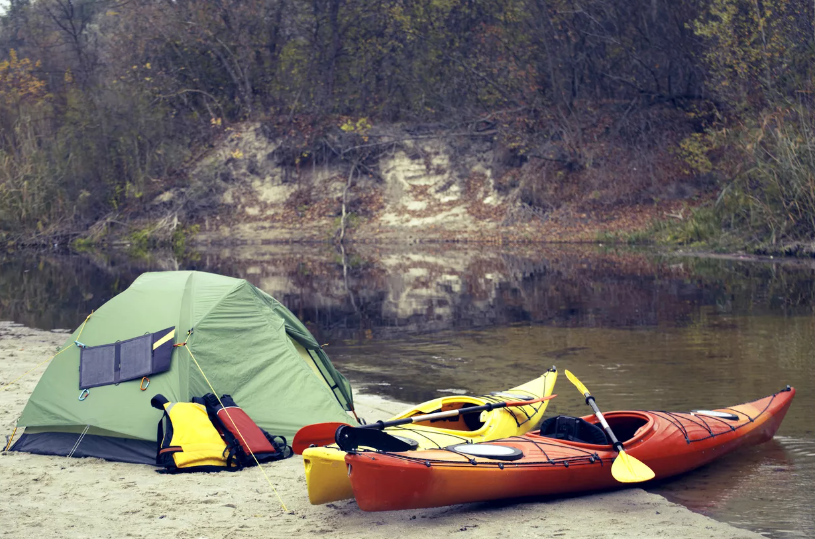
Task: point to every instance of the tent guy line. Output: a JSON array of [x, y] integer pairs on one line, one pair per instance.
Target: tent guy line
[[32, 369], [226, 410]]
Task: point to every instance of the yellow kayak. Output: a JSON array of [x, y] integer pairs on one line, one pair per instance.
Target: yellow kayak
[[325, 466]]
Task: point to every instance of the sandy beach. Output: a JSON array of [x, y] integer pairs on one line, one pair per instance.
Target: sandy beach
[[61, 497]]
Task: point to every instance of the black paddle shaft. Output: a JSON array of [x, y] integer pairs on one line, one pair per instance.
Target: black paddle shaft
[[380, 425], [614, 441]]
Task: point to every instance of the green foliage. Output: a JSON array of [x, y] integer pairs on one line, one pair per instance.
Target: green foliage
[[141, 241], [352, 260], [761, 56], [352, 220], [83, 245], [778, 192], [694, 151], [702, 226], [161, 235], [757, 51], [180, 237]]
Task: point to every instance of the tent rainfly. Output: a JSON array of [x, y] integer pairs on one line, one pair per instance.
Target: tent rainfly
[[92, 400]]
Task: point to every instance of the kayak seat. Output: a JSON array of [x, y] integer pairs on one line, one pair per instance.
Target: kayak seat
[[573, 429], [473, 421]]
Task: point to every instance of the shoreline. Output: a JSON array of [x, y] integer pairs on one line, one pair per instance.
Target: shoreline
[[61, 497]]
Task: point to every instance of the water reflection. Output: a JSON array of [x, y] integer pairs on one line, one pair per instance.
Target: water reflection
[[712, 361], [641, 330], [762, 488], [382, 292]]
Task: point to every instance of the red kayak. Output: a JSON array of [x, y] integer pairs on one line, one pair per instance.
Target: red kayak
[[560, 461]]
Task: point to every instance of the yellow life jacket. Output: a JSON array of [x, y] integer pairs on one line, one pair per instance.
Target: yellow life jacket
[[187, 440]]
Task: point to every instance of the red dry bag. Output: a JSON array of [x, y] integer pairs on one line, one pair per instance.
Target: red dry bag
[[242, 436]]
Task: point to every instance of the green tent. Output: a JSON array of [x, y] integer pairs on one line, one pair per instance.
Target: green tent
[[247, 344]]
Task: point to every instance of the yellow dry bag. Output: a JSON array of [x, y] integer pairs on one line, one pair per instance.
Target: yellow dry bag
[[187, 440]]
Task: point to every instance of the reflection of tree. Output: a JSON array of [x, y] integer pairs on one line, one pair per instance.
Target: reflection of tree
[[781, 287], [438, 287], [389, 291], [54, 291], [51, 290]]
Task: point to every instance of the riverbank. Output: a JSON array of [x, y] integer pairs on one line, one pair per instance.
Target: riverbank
[[60, 497]]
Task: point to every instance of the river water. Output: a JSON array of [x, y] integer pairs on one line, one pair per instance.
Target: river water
[[641, 330]]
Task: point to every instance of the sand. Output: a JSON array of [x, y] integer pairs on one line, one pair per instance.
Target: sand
[[60, 497]]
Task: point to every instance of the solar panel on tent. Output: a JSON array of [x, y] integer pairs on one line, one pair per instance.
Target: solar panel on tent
[[125, 360]]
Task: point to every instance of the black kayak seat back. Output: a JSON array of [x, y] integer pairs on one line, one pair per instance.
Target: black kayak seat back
[[573, 429]]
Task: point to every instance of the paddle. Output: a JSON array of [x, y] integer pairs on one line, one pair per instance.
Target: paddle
[[321, 434], [626, 469]]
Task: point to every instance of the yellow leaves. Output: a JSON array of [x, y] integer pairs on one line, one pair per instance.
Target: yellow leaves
[[693, 150], [360, 127], [236, 154], [215, 122], [18, 81]]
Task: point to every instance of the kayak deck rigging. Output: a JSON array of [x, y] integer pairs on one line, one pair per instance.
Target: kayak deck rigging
[[326, 471], [631, 427]]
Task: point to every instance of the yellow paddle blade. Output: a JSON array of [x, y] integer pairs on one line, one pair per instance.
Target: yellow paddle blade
[[577, 383], [627, 469]]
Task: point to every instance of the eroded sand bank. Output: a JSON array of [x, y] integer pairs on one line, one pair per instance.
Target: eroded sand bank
[[61, 497]]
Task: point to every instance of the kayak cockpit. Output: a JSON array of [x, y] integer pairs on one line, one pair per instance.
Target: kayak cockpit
[[628, 427], [462, 422]]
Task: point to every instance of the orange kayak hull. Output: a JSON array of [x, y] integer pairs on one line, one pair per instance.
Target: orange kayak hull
[[669, 443]]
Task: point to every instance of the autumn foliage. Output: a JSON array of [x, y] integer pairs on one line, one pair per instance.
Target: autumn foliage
[[104, 102]]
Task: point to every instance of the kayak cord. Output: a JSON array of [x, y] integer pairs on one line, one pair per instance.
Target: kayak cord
[[589, 457], [702, 421], [262, 471]]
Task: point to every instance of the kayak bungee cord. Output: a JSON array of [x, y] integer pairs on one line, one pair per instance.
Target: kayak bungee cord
[[327, 434], [558, 461], [586, 457], [671, 417], [326, 474], [246, 445]]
